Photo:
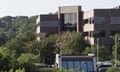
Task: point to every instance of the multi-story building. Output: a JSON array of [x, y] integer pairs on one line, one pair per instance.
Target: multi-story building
[[95, 24], [46, 24], [101, 24], [70, 18]]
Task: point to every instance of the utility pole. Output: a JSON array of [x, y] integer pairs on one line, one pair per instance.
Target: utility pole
[[115, 51], [97, 49]]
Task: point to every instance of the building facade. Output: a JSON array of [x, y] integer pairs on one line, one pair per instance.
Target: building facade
[[46, 24], [70, 18], [101, 24], [96, 25]]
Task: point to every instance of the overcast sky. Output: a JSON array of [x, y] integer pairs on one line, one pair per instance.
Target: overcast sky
[[36, 7]]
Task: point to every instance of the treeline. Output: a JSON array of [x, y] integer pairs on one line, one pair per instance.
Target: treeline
[[12, 27]]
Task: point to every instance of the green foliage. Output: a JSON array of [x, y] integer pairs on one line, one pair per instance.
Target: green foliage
[[116, 46], [103, 52], [20, 70], [17, 70], [113, 69], [62, 70], [47, 49], [7, 59], [28, 36], [12, 27], [27, 61], [73, 43]]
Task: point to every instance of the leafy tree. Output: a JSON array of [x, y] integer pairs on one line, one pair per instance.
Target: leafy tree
[[116, 47], [72, 43], [7, 59], [15, 26], [28, 36], [27, 61], [3, 38], [103, 52], [47, 49]]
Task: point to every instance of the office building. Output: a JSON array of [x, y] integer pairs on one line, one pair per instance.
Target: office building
[[101, 24], [97, 25], [70, 18], [46, 24]]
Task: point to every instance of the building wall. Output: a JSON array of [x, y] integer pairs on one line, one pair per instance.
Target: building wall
[[46, 24], [69, 10], [103, 22]]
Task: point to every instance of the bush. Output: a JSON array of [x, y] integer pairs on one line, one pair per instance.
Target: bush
[[113, 69]]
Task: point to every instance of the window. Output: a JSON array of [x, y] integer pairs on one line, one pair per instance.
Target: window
[[64, 65], [89, 21], [77, 65], [90, 66], [70, 21], [84, 66], [85, 21], [87, 65], [70, 65], [112, 33], [85, 34], [49, 23], [99, 33], [99, 20], [115, 20]]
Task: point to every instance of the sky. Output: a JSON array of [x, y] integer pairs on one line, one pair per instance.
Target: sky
[[37, 7]]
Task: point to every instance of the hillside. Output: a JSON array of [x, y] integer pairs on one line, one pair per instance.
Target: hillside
[[11, 27]]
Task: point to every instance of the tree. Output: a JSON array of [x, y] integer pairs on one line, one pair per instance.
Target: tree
[[103, 52], [7, 59], [72, 43], [47, 49], [3, 38], [27, 61], [116, 47]]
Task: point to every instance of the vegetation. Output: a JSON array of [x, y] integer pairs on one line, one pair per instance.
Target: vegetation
[[104, 53], [117, 47], [62, 70], [19, 49], [113, 69]]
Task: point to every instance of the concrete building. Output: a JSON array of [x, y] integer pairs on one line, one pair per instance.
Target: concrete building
[[46, 24], [70, 18], [95, 24], [101, 24]]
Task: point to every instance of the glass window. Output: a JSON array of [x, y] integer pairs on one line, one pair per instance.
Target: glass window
[[70, 65], [115, 20], [99, 20], [77, 65], [84, 66], [99, 33], [64, 64], [112, 33], [70, 21], [90, 66]]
